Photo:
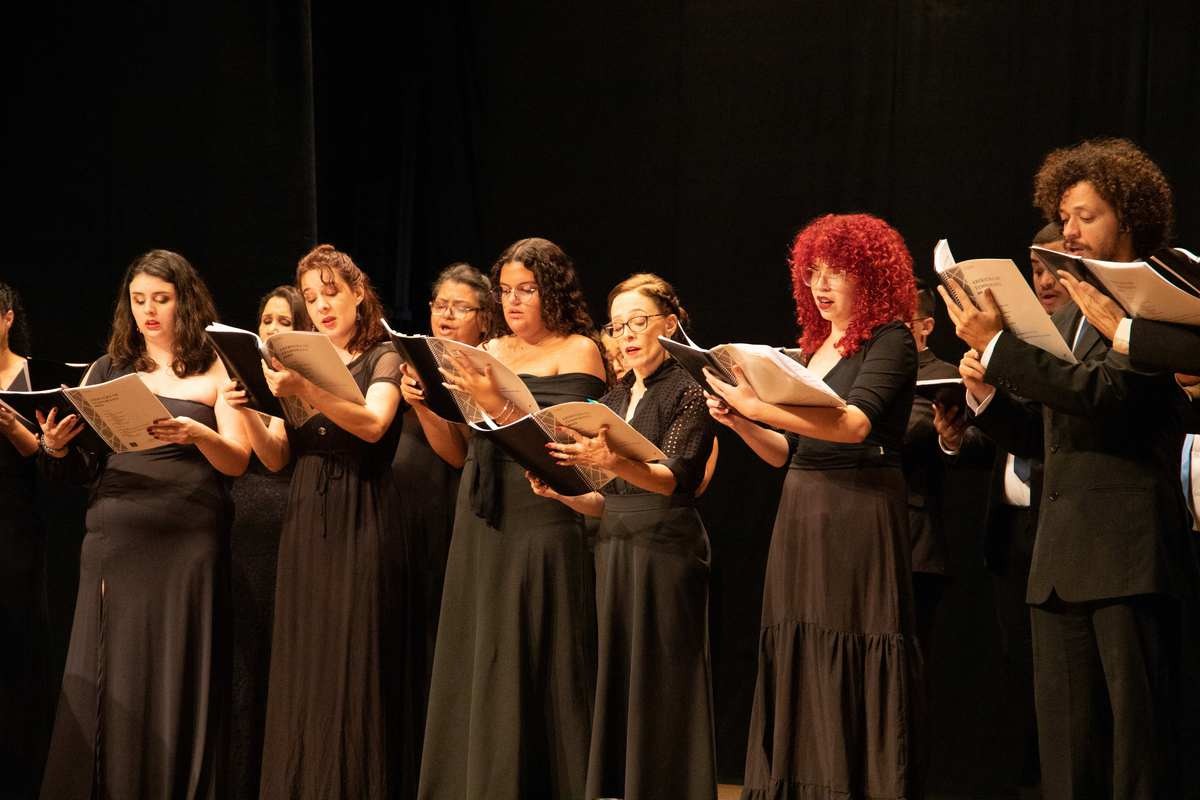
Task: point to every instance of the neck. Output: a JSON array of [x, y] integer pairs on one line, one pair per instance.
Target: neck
[[7, 357], [648, 369], [162, 354], [535, 338], [836, 332]]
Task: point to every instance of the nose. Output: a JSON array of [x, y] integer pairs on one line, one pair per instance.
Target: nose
[[1070, 228]]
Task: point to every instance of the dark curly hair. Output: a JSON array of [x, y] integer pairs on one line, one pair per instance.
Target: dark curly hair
[[1123, 175], [869, 250], [467, 275], [564, 309], [300, 319], [368, 324], [19, 340], [194, 309]]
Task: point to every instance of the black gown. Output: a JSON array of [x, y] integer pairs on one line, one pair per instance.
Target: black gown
[[510, 706], [418, 550], [327, 732], [259, 501], [652, 731], [26, 708], [145, 696], [838, 702]]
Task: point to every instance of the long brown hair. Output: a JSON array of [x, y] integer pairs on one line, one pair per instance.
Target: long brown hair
[[194, 309], [368, 323]]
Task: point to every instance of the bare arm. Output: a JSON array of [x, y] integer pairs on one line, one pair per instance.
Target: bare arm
[[445, 438], [770, 446], [368, 422], [591, 504], [17, 434]]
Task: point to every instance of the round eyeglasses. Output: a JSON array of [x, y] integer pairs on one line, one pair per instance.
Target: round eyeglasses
[[451, 310]]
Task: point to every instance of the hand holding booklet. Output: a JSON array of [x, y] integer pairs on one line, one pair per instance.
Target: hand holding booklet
[[524, 439], [310, 354], [117, 413], [1023, 315], [777, 377], [1165, 288]]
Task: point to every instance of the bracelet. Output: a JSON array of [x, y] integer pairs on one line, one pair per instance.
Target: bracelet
[[53, 452]]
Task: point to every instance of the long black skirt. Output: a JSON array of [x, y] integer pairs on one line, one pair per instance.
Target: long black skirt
[[652, 731], [838, 701], [510, 705]]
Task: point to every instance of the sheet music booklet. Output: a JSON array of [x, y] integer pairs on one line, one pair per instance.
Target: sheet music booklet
[[1023, 315], [524, 439]]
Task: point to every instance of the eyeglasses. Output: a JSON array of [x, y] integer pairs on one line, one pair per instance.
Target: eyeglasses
[[636, 324], [451, 309], [526, 291], [834, 276]]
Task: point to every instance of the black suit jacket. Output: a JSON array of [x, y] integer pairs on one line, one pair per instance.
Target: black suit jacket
[[923, 471], [1162, 345], [1112, 521]]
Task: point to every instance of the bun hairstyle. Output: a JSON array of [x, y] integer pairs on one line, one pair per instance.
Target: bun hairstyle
[[658, 290], [291, 295], [18, 334], [333, 263], [194, 310], [464, 273]]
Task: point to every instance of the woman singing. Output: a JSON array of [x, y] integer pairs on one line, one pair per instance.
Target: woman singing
[[460, 308], [327, 735], [652, 731], [838, 698], [511, 701], [144, 704], [26, 709], [260, 501]]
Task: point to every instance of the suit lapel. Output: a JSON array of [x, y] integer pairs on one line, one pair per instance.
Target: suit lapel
[[1087, 343]]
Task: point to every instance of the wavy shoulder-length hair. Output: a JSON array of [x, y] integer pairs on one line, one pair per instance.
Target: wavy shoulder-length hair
[[368, 324], [194, 309], [564, 310], [872, 253]]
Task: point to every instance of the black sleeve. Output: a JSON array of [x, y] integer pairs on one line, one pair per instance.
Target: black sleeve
[[1164, 346], [79, 465], [889, 368], [1014, 425], [688, 440], [1102, 386]]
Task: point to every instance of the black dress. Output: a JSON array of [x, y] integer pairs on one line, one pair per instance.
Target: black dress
[[26, 707], [145, 696], [510, 706], [259, 501], [652, 731], [838, 700], [327, 734], [418, 548]]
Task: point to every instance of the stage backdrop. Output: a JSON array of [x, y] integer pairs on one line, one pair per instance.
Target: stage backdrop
[[692, 139]]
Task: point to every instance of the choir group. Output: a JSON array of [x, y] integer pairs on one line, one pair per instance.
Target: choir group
[[424, 618]]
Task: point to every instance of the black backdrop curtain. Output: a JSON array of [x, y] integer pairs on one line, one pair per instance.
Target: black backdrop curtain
[[692, 139]]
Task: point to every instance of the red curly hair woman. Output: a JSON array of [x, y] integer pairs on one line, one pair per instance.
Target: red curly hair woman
[[838, 698]]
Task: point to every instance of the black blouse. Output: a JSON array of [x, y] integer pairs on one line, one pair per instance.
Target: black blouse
[[878, 380], [673, 415]]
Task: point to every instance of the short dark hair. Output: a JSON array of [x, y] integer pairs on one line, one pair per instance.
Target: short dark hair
[[1123, 175], [1050, 232], [467, 275], [926, 302]]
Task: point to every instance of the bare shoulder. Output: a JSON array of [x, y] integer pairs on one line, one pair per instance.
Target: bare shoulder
[[581, 354]]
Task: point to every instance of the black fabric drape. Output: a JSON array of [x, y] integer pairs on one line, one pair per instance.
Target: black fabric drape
[[688, 138]]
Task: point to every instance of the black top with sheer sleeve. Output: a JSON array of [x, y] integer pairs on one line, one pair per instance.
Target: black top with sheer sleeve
[[672, 414], [878, 380]]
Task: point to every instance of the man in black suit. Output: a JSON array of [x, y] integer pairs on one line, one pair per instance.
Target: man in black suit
[[923, 472], [1109, 562]]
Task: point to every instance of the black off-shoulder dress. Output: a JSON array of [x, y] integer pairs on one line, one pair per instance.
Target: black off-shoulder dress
[[510, 706]]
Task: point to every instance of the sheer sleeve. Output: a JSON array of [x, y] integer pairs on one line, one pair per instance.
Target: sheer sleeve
[[688, 440], [385, 366], [889, 367]]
